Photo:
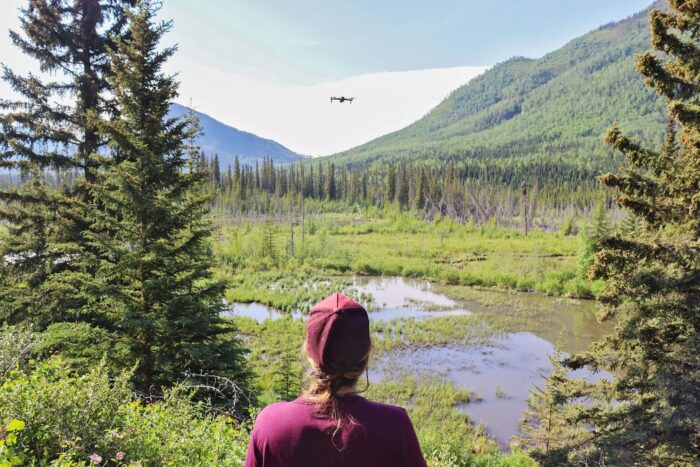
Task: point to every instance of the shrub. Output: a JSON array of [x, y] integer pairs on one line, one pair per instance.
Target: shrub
[[10, 452], [63, 411], [176, 432], [67, 419], [16, 344]]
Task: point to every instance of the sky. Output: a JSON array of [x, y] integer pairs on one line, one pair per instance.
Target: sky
[[270, 66]]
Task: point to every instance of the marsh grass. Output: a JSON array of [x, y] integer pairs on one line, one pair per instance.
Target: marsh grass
[[403, 333], [400, 245], [447, 435]]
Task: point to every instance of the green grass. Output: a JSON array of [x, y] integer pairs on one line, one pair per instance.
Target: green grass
[[398, 245], [411, 333]]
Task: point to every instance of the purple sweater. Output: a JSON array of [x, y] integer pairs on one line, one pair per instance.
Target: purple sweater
[[295, 434]]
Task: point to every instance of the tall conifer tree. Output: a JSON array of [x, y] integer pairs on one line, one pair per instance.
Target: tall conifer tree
[[155, 267], [51, 267], [652, 416]]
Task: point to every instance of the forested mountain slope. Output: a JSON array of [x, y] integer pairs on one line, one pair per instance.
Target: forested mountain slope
[[228, 142], [537, 113]]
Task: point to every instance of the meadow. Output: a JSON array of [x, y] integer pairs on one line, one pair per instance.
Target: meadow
[[288, 265]]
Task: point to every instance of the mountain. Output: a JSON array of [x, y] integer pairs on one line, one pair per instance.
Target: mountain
[[229, 142], [528, 112]]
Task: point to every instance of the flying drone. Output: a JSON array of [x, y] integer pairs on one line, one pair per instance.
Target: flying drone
[[342, 99]]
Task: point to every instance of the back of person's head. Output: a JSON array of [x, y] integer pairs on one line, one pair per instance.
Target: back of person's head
[[337, 345]]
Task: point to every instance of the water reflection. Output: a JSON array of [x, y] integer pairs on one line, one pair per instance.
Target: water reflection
[[386, 298], [400, 292], [257, 311], [260, 313], [501, 375]]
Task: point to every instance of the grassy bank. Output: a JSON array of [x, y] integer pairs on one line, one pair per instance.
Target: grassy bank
[[270, 263]]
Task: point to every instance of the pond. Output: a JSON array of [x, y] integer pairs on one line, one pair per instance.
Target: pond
[[385, 299], [500, 374]]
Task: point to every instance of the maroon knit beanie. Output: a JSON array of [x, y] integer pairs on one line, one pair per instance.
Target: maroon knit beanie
[[337, 334]]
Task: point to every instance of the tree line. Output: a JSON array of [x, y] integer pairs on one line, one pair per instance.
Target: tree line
[[460, 190]]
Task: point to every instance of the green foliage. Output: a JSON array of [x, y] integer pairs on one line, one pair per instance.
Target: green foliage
[[567, 226], [600, 227], [397, 244], [16, 346], [650, 413], [9, 439], [630, 227], [63, 411], [47, 129], [548, 425], [153, 246], [81, 345], [586, 252], [66, 418], [176, 432], [275, 353]]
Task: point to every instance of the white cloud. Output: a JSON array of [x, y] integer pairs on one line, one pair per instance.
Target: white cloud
[[302, 117]]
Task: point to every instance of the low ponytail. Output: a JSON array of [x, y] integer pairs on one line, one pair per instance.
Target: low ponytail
[[323, 391]]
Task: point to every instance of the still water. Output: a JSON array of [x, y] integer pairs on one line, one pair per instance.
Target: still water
[[385, 298], [500, 374]]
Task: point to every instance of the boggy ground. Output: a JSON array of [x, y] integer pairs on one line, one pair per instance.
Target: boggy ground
[[269, 263]]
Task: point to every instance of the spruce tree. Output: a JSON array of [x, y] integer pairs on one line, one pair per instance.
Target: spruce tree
[[600, 227], [653, 281], [155, 266], [547, 427], [330, 189], [390, 184], [402, 187], [47, 129], [419, 200]]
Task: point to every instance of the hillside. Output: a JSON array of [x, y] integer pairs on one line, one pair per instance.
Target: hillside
[[229, 142], [552, 110]]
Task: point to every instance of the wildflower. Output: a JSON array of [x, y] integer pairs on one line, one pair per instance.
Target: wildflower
[[116, 435], [96, 458], [120, 455]]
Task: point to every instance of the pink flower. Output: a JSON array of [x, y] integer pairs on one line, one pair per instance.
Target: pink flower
[[96, 458], [116, 435], [120, 455]]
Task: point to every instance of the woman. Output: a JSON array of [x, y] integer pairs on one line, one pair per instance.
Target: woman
[[331, 425]]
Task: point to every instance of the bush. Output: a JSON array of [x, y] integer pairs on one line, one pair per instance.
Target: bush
[[10, 454], [16, 345], [63, 411], [67, 418], [175, 432]]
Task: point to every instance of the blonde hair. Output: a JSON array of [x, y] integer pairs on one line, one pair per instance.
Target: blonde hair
[[323, 390]]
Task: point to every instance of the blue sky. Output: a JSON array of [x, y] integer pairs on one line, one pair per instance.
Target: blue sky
[[269, 66], [310, 41]]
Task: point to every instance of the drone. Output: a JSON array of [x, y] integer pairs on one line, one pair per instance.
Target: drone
[[342, 99]]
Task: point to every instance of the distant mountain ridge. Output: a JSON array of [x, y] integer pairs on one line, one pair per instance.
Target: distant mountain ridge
[[229, 142], [526, 111]]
